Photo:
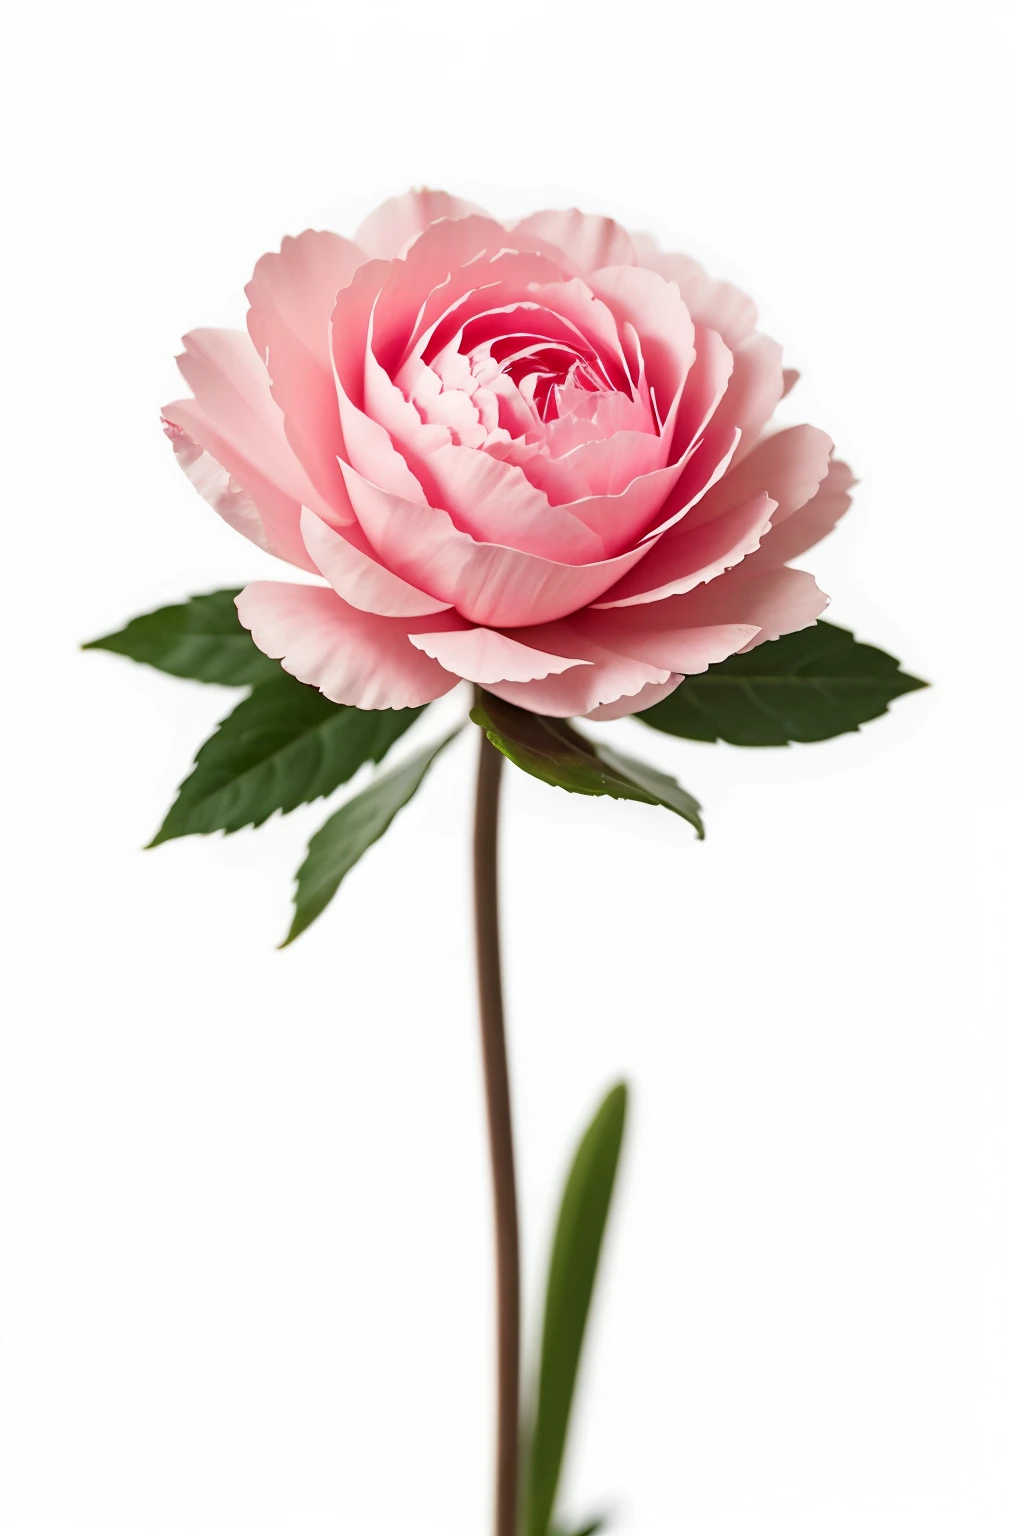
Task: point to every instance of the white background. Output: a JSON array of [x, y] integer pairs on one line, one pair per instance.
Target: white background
[[245, 1282]]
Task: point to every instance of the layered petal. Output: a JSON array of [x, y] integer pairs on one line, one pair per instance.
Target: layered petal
[[488, 583], [688, 555], [485, 656], [292, 292], [352, 657], [722, 306], [580, 689], [588, 240], [812, 521], [352, 569], [774, 601], [649, 695], [388, 229], [234, 420]]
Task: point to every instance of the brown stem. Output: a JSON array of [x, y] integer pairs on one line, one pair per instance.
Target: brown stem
[[499, 1119]]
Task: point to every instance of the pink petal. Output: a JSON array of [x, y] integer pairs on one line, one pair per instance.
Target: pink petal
[[588, 240], [690, 554], [234, 423], [600, 467], [777, 601], [485, 656], [811, 522], [294, 291], [789, 379], [650, 694], [496, 504], [721, 306], [212, 480], [387, 231], [755, 388], [283, 328], [488, 583], [232, 390], [356, 575], [610, 676], [659, 634], [788, 465], [352, 657], [660, 318]]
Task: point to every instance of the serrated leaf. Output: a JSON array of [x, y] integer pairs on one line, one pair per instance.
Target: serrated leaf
[[575, 1254], [200, 639], [554, 751], [345, 836], [281, 747], [809, 686]]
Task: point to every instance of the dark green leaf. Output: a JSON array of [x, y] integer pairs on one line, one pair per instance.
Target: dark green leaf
[[554, 751], [281, 747], [345, 836], [585, 1530], [200, 638], [809, 686], [574, 1259]]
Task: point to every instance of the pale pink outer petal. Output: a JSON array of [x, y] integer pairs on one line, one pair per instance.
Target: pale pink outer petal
[[811, 522], [232, 390], [649, 695], [214, 483], [776, 600], [789, 380], [484, 656], [488, 583], [352, 657], [722, 306], [789, 465], [727, 525], [235, 422], [686, 555], [662, 635], [581, 689], [282, 327], [352, 569], [755, 388], [293, 290], [388, 229], [588, 240]]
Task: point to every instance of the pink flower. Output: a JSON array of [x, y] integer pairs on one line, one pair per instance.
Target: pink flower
[[532, 456]]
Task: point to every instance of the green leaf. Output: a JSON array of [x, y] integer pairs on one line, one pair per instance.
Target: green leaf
[[574, 1259], [554, 751], [281, 747], [817, 683], [345, 836], [200, 638]]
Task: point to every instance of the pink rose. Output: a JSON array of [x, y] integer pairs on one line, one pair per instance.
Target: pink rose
[[534, 457]]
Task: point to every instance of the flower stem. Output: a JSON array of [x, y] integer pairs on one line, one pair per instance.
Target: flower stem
[[499, 1119]]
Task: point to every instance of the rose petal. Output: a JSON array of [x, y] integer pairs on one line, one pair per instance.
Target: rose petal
[[588, 240], [293, 291], [778, 601], [581, 689], [650, 694], [488, 583], [484, 656], [354, 572], [686, 555], [352, 657], [721, 306], [388, 229], [811, 522]]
